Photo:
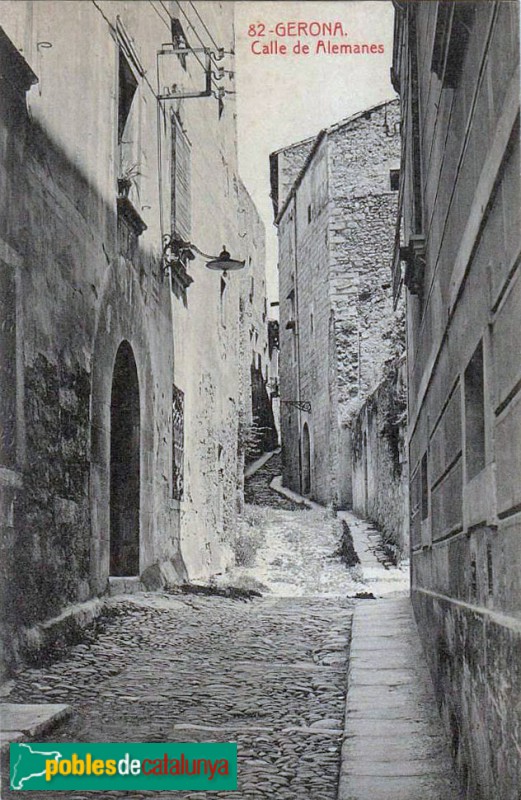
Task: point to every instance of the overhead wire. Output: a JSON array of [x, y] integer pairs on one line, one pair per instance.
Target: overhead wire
[[190, 23], [201, 20], [201, 63], [112, 28]]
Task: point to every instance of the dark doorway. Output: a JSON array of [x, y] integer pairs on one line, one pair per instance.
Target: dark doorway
[[124, 465], [306, 460]]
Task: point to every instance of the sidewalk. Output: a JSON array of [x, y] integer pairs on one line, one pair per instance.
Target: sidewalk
[[395, 747], [394, 744]]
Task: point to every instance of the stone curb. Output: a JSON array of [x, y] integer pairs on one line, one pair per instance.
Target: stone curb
[[259, 463], [21, 722], [276, 486]]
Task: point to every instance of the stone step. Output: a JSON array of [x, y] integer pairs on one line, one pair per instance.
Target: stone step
[[125, 585]]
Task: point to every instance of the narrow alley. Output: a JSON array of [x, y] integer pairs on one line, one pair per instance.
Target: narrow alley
[[260, 411], [268, 672]]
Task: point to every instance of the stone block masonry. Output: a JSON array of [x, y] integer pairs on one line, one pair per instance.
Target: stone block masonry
[[336, 226], [126, 382], [460, 228], [380, 468]]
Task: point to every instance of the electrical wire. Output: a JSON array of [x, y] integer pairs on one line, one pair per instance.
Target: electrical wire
[[112, 28], [204, 25], [190, 23], [163, 20], [192, 27]]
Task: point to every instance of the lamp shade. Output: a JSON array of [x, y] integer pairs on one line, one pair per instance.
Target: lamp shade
[[225, 262]]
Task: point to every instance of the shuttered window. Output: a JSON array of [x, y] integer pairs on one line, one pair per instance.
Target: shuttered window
[[181, 182]]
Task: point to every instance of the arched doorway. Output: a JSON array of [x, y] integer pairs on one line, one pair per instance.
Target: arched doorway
[[306, 460], [124, 465]]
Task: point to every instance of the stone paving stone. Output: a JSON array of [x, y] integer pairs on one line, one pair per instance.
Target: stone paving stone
[[413, 787], [394, 746], [270, 674]]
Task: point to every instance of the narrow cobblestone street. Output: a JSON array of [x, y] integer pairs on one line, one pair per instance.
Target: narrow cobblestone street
[[269, 671]]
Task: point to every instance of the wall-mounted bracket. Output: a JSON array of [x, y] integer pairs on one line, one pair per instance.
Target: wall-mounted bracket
[[176, 90], [302, 405]]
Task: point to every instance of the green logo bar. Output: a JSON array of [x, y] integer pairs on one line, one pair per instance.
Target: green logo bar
[[102, 766]]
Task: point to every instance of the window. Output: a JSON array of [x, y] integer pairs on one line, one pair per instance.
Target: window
[[178, 410], [425, 487], [223, 302], [490, 569], [394, 179], [181, 178], [453, 27], [127, 91], [179, 40], [291, 325], [311, 323], [475, 414], [309, 214]]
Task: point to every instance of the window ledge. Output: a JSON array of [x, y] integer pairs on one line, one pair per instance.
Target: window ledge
[[128, 213], [479, 499]]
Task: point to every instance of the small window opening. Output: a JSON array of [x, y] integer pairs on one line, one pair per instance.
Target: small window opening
[[475, 414], [425, 487], [394, 179], [490, 569], [127, 90], [473, 578], [179, 40], [223, 301]]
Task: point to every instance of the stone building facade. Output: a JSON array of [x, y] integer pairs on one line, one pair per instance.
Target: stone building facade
[[122, 382], [456, 67], [258, 429], [335, 211]]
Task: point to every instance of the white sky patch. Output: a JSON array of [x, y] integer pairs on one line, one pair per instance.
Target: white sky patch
[[283, 99]]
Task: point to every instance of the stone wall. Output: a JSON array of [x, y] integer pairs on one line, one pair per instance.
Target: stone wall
[[379, 460], [464, 304], [305, 327], [81, 265], [362, 226], [255, 357], [285, 165], [336, 233]]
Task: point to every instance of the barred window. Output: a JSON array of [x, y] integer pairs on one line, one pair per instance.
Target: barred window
[[178, 425]]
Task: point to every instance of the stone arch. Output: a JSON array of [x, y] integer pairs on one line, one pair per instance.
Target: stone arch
[[121, 318]]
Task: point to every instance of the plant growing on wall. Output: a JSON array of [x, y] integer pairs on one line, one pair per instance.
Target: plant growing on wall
[[127, 178], [394, 418], [250, 438]]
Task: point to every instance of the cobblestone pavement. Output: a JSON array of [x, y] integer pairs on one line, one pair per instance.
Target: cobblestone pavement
[[257, 488], [269, 673]]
